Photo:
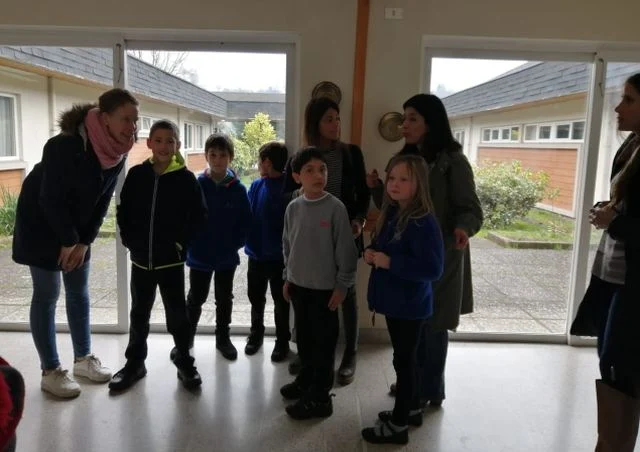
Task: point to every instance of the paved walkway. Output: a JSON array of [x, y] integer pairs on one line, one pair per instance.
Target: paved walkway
[[516, 291]]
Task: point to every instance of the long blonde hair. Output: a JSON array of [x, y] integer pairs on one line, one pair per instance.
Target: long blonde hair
[[420, 204]]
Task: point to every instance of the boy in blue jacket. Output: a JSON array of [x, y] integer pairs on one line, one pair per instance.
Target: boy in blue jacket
[[407, 254], [264, 248], [160, 209], [214, 251]]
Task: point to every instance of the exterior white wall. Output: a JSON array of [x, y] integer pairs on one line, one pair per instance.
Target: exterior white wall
[[30, 91]]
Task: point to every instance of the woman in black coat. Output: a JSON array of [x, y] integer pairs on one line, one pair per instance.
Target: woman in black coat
[[615, 315], [60, 210]]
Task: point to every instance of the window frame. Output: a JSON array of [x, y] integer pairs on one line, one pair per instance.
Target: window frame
[[16, 132]]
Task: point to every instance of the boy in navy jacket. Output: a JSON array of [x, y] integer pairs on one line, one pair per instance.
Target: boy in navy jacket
[[264, 248], [214, 251]]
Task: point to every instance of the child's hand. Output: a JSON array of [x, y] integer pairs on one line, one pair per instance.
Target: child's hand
[[337, 297], [461, 237], [368, 256], [356, 228], [372, 179], [381, 260], [285, 291]]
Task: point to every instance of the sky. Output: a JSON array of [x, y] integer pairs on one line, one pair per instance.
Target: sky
[[218, 71], [457, 74], [224, 71]]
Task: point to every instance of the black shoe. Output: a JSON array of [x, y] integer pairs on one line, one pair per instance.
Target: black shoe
[[392, 389], [385, 434], [347, 369], [295, 365], [436, 403], [254, 342], [292, 391], [223, 343], [174, 352], [189, 377], [127, 376], [414, 419], [280, 352], [307, 408]]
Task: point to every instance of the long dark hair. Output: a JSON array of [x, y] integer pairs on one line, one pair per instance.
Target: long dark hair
[[439, 137], [620, 187], [316, 108]]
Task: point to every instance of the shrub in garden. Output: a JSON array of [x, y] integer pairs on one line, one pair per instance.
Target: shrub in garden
[[9, 202], [507, 191]]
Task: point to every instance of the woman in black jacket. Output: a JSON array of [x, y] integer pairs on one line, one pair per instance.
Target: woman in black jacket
[[617, 269], [60, 210], [347, 182]]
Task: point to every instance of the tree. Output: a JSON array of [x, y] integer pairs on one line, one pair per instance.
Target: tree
[[256, 132], [171, 62]]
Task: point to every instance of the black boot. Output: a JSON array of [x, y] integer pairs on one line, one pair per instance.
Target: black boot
[[347, 369], [127, 376], [254, 342], [223, 320], [295, 365], [280, 351], [187, 372], [223, 343], [256, 336]]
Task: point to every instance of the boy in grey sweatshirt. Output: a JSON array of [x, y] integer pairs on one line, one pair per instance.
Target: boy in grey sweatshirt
[[320, 259]]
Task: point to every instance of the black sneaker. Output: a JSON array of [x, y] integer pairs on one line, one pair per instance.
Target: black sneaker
[[254, 342], [223, 343], [295, 365], [414, 419], [189, 377], [292, 391], [307, 408], [127, 376], [280, 352]]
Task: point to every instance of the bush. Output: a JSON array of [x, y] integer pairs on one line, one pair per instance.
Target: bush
[[7, 211], [508, 192]]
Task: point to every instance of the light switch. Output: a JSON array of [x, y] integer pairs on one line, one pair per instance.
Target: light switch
[[393, 13]]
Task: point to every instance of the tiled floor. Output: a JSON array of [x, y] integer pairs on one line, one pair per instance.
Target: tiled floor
[[500, 398]]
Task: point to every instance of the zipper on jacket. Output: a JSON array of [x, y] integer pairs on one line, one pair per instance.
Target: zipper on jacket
[[153, 213]]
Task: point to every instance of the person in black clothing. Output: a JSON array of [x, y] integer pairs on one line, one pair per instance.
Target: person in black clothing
[[610, 309], [347, 182], [60, 210], [161, 206]]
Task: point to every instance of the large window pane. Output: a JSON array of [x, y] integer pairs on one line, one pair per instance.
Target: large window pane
[[37, 84], [520, 268], [214, 92]]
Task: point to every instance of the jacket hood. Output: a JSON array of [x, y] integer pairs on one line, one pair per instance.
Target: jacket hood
[[70, 120]]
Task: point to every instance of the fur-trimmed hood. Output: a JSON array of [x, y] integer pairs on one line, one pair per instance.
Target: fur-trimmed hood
[[70, 120]]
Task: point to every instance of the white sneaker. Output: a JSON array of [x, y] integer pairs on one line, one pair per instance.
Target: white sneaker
[[59, 383], [90, 367]]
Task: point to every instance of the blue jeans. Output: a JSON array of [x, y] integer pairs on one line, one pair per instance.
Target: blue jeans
[[46, 291]]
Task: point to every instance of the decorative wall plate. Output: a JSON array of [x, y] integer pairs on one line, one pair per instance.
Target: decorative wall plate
[[327, 89], [389, 126]]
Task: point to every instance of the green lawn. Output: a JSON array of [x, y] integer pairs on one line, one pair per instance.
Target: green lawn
[[541, 225]]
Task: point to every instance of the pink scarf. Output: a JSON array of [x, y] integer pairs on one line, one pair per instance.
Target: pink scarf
[[109, 151]]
